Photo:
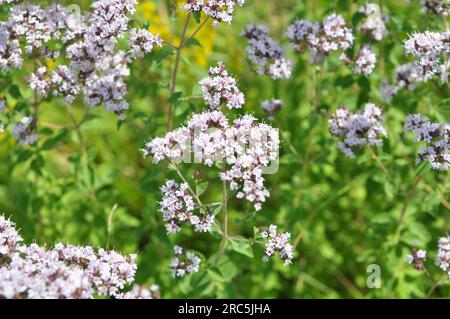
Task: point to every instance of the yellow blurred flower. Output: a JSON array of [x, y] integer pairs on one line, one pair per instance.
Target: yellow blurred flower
[[158, 17]]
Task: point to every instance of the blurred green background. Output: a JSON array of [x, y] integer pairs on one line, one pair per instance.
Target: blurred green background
[[344, 213]]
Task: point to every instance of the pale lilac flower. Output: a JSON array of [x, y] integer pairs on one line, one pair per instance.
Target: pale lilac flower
[[177, 207], [388, 91], [95, 66], [437, 7], [321, 38], [141, 292], [431, 49], [357, 129], [65, 82], [375, 22], [24, 131], [9, 238], [246, 147], [266, 53], [219, 10], [64, 271], [436, 137], [271, 107], [277, 243], [39, 82], [407, 76], [220, 88], [184, 263], [443, 255], [417, 259], [142, 42], [365, 61]]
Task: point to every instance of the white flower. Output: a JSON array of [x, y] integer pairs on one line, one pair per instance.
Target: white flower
[[220, 88], [277, 243], [267, 54], [321, 38], [219, 10], [365, 61], [247, 147], [184, 263], [437, 7], [436, 137], [177, 208], [272, 107], [357, 129], [64, 271], [39, 83], [443, 255], [24, 131], [375, 23], [431, 50], [142, 41]]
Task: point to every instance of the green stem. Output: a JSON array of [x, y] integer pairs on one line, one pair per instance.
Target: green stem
[[408, 199], [173, 81]]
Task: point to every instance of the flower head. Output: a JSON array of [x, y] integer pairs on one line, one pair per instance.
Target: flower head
[[436, 137], [220, 88], [357, 129], [277, 243]]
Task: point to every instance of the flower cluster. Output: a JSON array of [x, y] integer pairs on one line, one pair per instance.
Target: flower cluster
[[375, 22], [357, 129], [39, 83], [266, 53], [271, 107], [321, 38], [177, 207], [219, 10], [24, 131], [435, 135], [417, 259], [64, 271], [184, 262], [387, 91], [364, 62], [9, 238], [220, 88], [142, 42], [141, 292], [277, 243], [443, 255], [437, 7], [431, 49], [90, 62], [407, 75], [245, 145]]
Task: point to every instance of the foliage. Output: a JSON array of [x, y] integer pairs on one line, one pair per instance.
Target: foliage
[[86, 182]]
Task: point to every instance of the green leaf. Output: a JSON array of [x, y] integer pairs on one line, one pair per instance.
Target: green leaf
[[23, 155], [163, 54], [444, 105], [215, 274], [217, 210], [197, 16], [173, 100], [242, 246], [201, 188], [228, 269], [55, 140], [193, 42], [15, 92], [37, 164]]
